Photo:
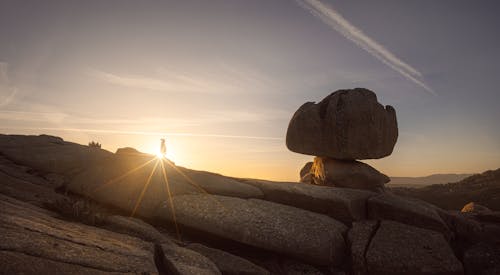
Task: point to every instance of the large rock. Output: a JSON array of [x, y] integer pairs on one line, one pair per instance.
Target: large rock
[[342, 204], [402, 249], [359, 238], [134, 227], [482, 258], [227, 263], [347, 124], [51, 154], [122, 180], [347, 173], [64, 247], [311, 237], [182, 261], [407, 210]]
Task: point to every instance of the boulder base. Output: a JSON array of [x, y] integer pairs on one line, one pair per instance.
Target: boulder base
[[347, 173]]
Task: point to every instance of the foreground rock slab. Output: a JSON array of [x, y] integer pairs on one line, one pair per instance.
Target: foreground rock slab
[[61, 246], [182, 261], [228, 263], [347, 124], [311, 237], [397, 248], [407, 210], [342, 204], [51, 154], [124, 180]]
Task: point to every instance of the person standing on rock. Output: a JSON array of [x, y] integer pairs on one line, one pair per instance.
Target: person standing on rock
[[163, 148]]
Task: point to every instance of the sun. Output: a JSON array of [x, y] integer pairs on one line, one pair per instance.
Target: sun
[[170, 154]]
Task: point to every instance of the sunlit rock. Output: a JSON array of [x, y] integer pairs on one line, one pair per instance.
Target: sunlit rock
[[309, 236]]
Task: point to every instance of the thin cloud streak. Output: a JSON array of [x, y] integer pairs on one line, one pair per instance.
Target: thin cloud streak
[[142, 133], [8, 92], [335, 20]]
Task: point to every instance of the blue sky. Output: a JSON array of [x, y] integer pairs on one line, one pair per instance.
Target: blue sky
[[221, 79]]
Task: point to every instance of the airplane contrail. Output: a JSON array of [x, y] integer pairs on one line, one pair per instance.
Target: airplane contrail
[[336, 21], [143, 133]]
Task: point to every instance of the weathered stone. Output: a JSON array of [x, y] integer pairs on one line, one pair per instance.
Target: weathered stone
[[482, 258], [342, 204], [134, 227], [20, 263], [359, 238], [182, 261], [406, 210], [347, 173], [51, 154], [228, 263], [140, 183], [306, 169], [397, 248], [347, 124], [312, 237], [34, 233]]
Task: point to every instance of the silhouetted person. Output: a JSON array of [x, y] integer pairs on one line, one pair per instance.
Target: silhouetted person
[[163, 148]]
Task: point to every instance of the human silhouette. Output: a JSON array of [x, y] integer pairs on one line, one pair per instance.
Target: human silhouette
[[163, 148]]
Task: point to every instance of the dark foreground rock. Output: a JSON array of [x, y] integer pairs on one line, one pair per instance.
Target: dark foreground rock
[[291, 231], [402, 249], [228, 263], [342, 204], [347, 124], [182, 261], [63, 246], [406, 210]]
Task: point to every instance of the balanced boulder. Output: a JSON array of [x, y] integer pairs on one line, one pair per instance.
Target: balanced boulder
[[347, 124]]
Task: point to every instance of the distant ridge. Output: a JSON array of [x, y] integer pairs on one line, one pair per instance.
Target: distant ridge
[[481, 188], [427, 180]]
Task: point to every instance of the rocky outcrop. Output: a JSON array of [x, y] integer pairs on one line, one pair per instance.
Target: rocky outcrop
[[343, 204], [308, 236], [51, 154], [59, 245], [402, 249], [347, 124], [228, 263], [407, 211], [347, 173], [125, 179], [359, 239], [182, 261]]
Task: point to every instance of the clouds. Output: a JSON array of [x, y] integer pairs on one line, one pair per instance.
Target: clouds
[[8, 91], [336, 21]]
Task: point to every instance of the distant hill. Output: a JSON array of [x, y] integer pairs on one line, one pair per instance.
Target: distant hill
[[481, 188], [427, 180]]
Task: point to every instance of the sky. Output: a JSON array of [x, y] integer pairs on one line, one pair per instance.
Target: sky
[[220, 80]]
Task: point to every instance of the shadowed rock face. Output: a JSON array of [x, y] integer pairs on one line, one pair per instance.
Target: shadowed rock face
[[347, 124], [401, 249], [57, 246], [284, 229], [51, 154]]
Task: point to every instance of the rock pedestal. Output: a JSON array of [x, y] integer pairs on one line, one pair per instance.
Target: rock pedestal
[[346, 126]]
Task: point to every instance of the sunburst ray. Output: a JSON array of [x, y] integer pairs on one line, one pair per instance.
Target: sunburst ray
[[165, 178], [139, 200]]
